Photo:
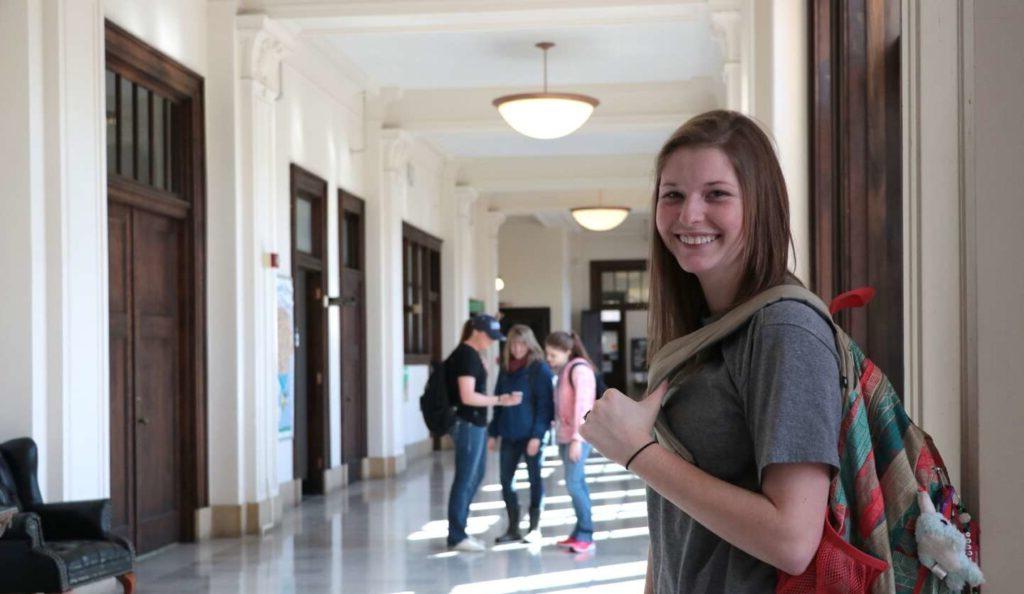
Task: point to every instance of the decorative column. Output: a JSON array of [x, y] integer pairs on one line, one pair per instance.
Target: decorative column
[[244, 411], [385, 346], [457, 262], [727, 26]]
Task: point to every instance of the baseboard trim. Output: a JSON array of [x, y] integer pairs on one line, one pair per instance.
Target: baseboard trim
[[419, 449], [335, 478], [385, 467]]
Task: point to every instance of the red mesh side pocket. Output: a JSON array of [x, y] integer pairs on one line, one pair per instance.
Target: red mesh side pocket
[[837, 568]]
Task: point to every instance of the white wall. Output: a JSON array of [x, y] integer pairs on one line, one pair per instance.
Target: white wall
[[175, 27], [320, 129], [998, 147], [780, 103], [533, 260], [587, 246]]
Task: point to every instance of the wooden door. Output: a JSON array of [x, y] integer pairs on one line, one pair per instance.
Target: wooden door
[[157, 340], [300, 449], [311, 444], [856, 178], [353, 336], [122, 410], [146, 369], [156, 188]]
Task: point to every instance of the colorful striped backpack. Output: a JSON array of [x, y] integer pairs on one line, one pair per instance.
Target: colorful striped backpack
[[868, 544]]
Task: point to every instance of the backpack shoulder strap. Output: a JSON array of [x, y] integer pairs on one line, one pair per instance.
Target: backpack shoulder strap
[[568, 374], [674, 354]]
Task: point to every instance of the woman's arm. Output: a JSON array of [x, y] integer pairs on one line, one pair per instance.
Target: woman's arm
[[470, 397], [781, 526]]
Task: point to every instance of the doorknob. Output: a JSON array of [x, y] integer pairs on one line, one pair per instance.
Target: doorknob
[[143, 421]]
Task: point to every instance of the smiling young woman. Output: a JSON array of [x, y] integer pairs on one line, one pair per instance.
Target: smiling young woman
[[760, 410]]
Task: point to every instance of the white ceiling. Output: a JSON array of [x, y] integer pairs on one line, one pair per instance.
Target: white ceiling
[[585, 142], [651, 63], [599, 54]]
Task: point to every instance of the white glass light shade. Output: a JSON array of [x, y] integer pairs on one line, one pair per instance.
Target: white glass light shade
[[545, 115], [600, 218], [499, 284]]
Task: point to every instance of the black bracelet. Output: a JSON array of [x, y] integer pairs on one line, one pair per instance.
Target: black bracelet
[[642, 448]]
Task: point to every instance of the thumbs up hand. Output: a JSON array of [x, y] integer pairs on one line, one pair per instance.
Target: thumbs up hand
[[618, 425]]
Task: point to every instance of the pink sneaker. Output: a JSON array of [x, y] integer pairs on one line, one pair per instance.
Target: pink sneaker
[[582, 547], [567, 543]]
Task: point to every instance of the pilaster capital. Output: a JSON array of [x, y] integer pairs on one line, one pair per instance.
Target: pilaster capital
[[725, 27], [465, 198], [262, 45], [396, 149]]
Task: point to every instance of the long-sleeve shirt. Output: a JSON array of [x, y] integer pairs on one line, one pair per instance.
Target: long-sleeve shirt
[[532, 417], [574, 397]]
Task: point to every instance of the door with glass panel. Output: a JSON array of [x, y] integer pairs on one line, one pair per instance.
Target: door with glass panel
[[153, 219]]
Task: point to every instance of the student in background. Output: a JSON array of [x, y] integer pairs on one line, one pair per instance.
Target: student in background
[[520, 429], [574, 397], [467, 378]]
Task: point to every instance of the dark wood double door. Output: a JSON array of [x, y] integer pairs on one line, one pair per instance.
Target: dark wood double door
[[311, 446], [157, 312], [146, 341]]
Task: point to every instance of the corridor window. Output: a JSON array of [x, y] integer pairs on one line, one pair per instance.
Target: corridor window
[[619, 284], [140, 143], [421, 295]]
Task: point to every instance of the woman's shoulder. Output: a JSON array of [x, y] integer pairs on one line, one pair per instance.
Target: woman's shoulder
[[541, 366], [784, 322]]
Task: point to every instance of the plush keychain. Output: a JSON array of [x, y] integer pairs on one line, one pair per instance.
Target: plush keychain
[[943, 549]]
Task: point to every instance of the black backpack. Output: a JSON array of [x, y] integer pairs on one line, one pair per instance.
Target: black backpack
[[598, 379], [438, 411]]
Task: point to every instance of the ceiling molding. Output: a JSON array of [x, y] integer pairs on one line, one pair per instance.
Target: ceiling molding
[[353, 18], [514, 186]]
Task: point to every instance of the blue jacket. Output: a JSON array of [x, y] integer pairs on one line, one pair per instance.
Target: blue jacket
[[533, 416]]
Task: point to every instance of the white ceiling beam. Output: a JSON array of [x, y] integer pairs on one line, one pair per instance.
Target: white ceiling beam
[[348, 18], [597, 122], [568, 184]]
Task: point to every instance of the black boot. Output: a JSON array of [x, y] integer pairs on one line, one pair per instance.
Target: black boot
[[512, 534], [534, 534], [534, 518]]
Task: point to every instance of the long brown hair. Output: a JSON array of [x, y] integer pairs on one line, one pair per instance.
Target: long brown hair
[[569, 341], [467, 330], [677, 302], [524, 334]]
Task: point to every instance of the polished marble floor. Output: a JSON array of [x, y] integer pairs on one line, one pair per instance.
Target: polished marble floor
[[388, 537]]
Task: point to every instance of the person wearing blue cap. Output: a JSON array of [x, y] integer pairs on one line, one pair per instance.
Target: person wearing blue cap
[[467, 378]]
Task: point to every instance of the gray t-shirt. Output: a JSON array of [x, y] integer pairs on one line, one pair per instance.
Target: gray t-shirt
[[768, 394]]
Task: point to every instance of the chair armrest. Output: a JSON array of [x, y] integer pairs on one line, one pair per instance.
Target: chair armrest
[[25, 526], [75, 520]]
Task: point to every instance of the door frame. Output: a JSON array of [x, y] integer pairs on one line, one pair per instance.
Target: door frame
[[856, 198], [350, 203], [311, 184], [134, 59], [597, 267]]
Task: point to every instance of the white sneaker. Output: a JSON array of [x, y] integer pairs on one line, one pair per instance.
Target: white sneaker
[[533, 536], [470, 545]]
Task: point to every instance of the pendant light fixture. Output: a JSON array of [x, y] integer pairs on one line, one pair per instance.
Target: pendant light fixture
[[545, 115], [600, 218]]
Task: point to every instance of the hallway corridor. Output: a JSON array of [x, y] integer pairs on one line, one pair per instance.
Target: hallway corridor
[[388, 537]]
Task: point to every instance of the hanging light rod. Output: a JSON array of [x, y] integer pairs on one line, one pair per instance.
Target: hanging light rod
[[545, 115]]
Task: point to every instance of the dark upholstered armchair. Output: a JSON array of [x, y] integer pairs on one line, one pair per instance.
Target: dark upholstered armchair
[[57, 546]]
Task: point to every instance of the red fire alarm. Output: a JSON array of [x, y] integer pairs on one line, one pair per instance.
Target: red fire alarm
[[273, 260]]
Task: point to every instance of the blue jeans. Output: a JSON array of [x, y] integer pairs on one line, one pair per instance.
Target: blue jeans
[[470, 462], [511, 452], [578, 491]]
